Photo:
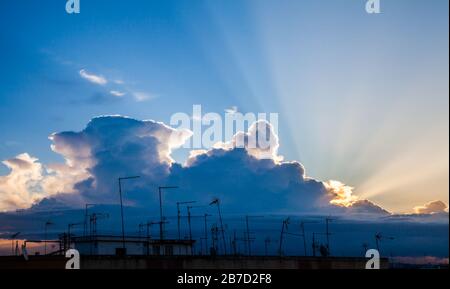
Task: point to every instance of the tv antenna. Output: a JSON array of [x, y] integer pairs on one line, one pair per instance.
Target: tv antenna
[[302, 227], [248, 238], [13, 237], [283, 228], [47, 224], [327, 232], [379, 237], [216, 201], [179, 216], [161, 218]]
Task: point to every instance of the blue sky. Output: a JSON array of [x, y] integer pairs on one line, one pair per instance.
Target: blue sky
[[361, 98]]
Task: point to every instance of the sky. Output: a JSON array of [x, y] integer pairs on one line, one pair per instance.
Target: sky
[[361, 98]]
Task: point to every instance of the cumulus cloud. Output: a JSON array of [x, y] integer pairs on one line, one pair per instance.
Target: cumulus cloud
[[342, 194], [431, 208], [240, 171], [111, 147], [238, 178], [93, 78], [260, 141], [22, 186], [29, 182]]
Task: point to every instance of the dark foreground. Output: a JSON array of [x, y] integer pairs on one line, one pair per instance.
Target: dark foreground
[[188, 262]]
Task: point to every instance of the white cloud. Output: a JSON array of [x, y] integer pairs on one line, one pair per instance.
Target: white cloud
[[232, 109], [97, 79], [260, 141], [21, 187], [29, 181], [143, 96], [431, 208], [117, 93], [112, 146]]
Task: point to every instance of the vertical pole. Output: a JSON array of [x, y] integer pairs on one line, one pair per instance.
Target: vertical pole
[[304, 237], [121, 214], [328, 238], [178, 220], [206, 235], [223, 231], [189, 222], [248, 236], [234, 243], [68, 236], [148, 237], [212, 237], [314, 244], [45, 241], [85, 220], [190, 228], [160, 215], [281, 239], [266, 244]]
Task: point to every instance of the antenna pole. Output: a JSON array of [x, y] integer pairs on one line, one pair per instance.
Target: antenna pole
[[160, 215], [302, 224], [314, 244], [121, 213], [206, 233], [217, 202], [285, 222], [248, 236], [161, 218], [328, 235], [266, 246], [121, 207], [222, 229], [178, 220], [189, 221], [234, 243]]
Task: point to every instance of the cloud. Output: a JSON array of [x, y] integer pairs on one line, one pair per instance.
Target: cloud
[[143, 96], [96, 79], [343, 194], [260, 141], [431, 208], [30, 182], [117, 93], [111, 147], [232, 109], [247, 178], [22, 186], [116, 88]]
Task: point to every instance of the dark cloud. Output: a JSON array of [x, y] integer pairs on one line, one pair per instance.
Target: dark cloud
[[246, 183]]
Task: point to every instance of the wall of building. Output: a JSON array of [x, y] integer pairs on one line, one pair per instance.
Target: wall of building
[[188, 262], [133, 248], [222, 262]]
